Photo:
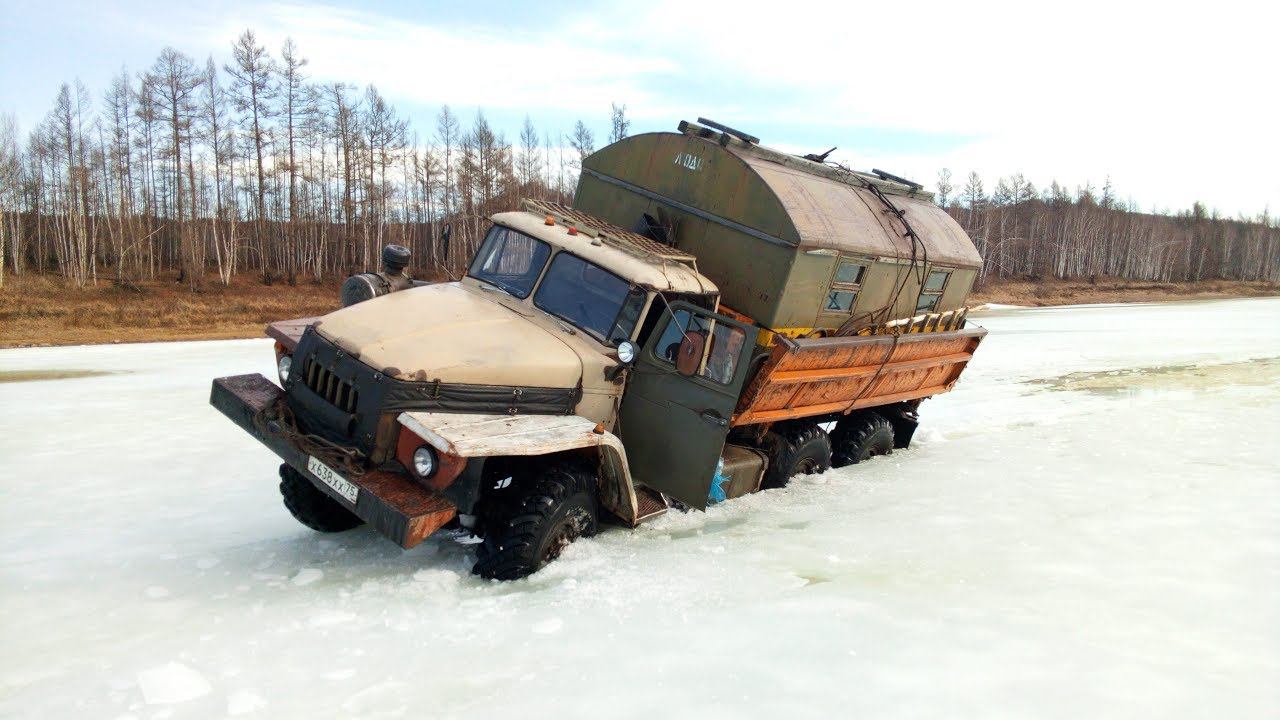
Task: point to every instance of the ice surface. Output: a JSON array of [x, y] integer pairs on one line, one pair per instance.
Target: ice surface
[[306, 576], [1089, 526], [171, 683]]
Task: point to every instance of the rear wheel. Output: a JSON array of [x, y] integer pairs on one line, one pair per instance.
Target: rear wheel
[[861, 437], [799, 449], [311, 507], [540, 516]]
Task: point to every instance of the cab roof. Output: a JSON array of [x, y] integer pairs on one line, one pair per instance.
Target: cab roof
[[627, 254]]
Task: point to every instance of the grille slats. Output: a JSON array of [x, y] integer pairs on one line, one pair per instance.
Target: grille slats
[[336, 391]]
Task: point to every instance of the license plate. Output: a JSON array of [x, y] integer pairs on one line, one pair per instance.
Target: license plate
[[330, 477]]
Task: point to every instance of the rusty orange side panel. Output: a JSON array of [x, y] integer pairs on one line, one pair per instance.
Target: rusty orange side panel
[[820, 376]]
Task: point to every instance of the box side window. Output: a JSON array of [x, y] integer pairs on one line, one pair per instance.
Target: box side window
[[931, 293], [845, 285]]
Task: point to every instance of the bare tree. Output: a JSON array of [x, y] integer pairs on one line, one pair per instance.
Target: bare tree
[[252, 93], [944, 187], [384, 135], [529, 160], [448, 133], [618, 122], [293, 95], [583, 143], [173, 81], [217, 135], [10, 193]]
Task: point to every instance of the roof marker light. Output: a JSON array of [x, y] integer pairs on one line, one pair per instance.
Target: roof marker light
[[550, 220]]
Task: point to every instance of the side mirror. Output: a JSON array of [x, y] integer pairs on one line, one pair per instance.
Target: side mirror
[[689, 356], [445, 232]]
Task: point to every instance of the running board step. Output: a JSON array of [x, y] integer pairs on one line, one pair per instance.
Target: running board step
[[649, 503]]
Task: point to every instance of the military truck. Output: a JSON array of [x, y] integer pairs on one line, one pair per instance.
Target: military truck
[[709, 319]]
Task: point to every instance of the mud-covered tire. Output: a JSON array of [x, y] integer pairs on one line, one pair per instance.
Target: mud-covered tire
[[802, 449], [545, 511], [860, 437], [311, 507]]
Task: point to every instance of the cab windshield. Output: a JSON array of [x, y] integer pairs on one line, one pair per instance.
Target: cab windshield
[[591, 298], [510, 260]]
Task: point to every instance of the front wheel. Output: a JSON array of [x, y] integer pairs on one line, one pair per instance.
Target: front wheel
[[544, 512], [311, 507]]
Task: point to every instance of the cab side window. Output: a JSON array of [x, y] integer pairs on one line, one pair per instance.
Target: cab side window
[[845, 285]]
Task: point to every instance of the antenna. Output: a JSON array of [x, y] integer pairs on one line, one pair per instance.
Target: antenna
[[889, 176], [811, 157]]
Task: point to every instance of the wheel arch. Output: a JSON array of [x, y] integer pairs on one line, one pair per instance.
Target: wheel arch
[[480, 439]]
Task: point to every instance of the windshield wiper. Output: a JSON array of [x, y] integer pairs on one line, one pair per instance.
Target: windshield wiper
[[494, 285]]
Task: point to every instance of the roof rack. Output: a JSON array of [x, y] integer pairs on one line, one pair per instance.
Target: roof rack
[[632, 243]]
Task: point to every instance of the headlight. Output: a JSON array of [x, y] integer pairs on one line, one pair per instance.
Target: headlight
[[286, 362], [626, 352], [424, 461]]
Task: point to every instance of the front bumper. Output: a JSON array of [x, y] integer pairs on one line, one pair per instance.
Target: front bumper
[[394, 505]]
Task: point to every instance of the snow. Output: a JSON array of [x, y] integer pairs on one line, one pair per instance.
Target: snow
[[1088, 526]]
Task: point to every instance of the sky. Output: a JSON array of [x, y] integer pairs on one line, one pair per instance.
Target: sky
[[1175, 102]]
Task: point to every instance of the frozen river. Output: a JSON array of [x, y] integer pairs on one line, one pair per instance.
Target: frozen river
[[1089, 526]]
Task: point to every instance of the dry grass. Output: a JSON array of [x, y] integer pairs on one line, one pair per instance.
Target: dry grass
[[1110, 290], [44, 311]]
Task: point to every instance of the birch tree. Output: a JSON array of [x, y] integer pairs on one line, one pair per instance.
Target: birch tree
[[252, 92], [172, 82]]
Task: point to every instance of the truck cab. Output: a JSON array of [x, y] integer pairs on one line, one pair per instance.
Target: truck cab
[[563, 330]]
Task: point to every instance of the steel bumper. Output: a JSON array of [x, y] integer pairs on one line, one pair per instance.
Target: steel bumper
[[393, 504]]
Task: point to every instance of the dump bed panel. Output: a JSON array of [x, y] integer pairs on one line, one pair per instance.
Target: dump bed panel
[[819, 376]]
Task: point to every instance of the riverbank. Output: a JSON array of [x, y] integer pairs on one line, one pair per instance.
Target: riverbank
[[43, 311], [1110, 290]]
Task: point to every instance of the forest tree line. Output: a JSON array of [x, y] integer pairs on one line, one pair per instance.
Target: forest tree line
[[211, 170], [1090, 233]]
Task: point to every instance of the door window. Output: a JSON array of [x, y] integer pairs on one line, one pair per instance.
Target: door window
[[721, 360]]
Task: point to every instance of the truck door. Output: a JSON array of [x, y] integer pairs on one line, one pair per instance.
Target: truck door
[[681, 393]]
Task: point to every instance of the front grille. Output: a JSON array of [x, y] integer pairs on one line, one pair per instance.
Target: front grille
[[326, 384]]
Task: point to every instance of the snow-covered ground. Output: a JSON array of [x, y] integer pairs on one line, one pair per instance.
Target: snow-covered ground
[[1089, 526]]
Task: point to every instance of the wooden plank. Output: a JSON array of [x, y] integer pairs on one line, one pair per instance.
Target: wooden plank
[[787, 377], [491, 435], [820, 376], [872, 400]]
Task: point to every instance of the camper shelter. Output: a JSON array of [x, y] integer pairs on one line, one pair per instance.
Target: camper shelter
[[795, 244]]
